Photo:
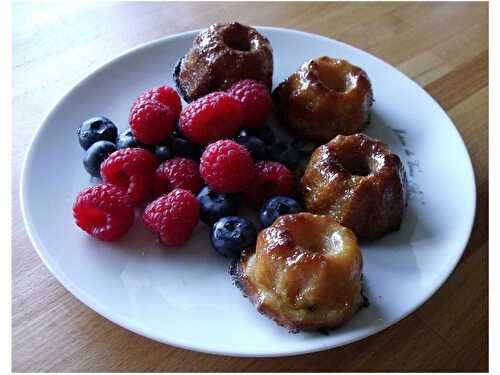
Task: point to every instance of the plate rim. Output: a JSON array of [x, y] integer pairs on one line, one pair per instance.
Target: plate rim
[[137, 328]]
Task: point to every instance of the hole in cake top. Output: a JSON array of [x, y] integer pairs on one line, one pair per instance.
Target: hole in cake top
[[334, 77], [237, 41], [356, 165]]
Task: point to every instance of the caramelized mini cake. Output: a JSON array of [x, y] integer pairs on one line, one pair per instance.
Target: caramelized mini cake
[[359, 182], [324, 98], [305, 272], [221, 56]]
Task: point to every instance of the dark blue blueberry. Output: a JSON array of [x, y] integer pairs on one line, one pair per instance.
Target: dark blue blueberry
[[163, 152], [304, 147], [180, 146], [95, 155], [244, 133], [96, 129], [285, 154], [214, 205], [232, 234], [265, 133], [277, 206], [253, 144], [127, 140]]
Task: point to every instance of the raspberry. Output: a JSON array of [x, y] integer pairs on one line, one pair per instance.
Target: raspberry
[[176, 173], [104, 211], [226, 167], [165, 95], [256, 100], [271, 178], [173, 217], [215, 116], [151, 121], [131, 169]]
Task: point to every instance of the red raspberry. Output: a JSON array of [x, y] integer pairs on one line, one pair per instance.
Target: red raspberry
[[215, 116], [256, 100], [165, 95], [176, 173], [131, 169], [226, 167], [173, 217], [151, 122], [104, 211], [271, 178]]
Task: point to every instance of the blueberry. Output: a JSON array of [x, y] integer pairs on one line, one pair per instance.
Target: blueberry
[[265, 133], [244, 133], [96, 129], [253, 144], [127, 140], [180, 146], [285, 154], [303, 147], [95, 155], [277, 206], [232, 234], [214, 205], [163, 152]]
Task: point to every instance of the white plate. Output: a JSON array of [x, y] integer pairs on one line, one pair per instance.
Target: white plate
[[186, 298]]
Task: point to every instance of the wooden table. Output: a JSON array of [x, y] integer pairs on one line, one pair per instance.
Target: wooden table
[[443, 46]]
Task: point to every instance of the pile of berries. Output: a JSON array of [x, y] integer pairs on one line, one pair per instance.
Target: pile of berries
[[181, 165]]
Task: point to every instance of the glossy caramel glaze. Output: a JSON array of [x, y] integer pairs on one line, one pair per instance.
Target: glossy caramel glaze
[[305, 272], [359, 182], [222, 55], [324, 98]]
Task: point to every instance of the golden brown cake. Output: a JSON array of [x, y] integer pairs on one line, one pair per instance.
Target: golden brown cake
[[304, 273], [324, 98], [359, 182], [221, 56]]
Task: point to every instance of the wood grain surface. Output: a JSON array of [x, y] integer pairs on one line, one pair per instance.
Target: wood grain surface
[[443, 46]]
